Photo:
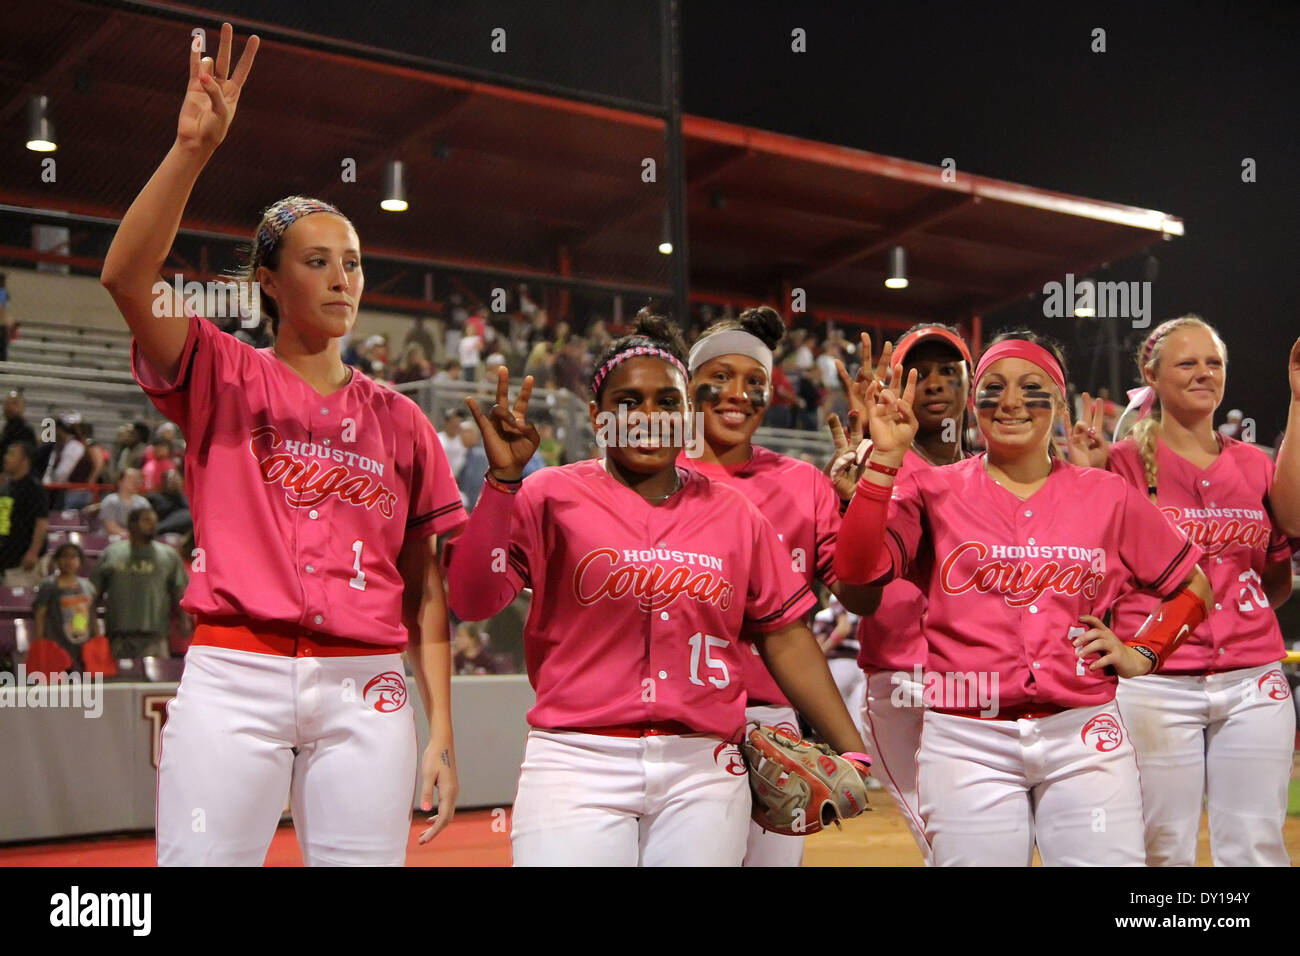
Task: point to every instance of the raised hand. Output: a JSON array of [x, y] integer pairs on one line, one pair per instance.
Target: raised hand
[[509, 439], [891, 420], [212, 96], [856, 388], [844, 469], [1086, 439]]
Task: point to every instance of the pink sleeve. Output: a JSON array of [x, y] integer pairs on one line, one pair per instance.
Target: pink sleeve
[[879, 537], [208, 354], [826, 527], [487, 564], [1127, 463], [435, 499], [777, 595], [1158, 554]]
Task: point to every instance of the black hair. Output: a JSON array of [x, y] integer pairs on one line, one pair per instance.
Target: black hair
[[142, 432], [133, 519], [69, 545], [763, 322], [28, 449], [652, 330]]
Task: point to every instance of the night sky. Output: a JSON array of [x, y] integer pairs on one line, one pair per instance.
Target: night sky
[[1162, 119]]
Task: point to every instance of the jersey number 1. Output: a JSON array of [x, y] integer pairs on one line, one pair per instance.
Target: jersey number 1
[[1078, 661], [706, 642], [359, 582]]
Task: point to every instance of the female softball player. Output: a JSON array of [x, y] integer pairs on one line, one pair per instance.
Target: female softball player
[[316, 497], [731, 371], [1019, 554], [1217, 720], [892, 649], [645, 578]]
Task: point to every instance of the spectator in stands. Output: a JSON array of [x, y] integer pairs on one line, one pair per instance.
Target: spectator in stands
[[471, 657], [492, 363], [784, 400], [801, 350], [128, 451], [415, 365], [171, 506], [538, 363], [471, 475], [572, 366], [142, 581], [24, 516], [550, 448], [471, 352], [811, 393], [1232, 427], [377, 353], [64, 606], [450, 372], [68, 462], [16, 427], [117, 507], [420, 335], [160, 459], [449, 435]]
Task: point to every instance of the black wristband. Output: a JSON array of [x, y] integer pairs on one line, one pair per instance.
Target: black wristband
[[1148, 654]]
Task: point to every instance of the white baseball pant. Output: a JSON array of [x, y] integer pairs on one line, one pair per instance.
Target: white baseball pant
[[991, 789], [764, 848], [1229, 737], [593, 800], [852, 684], [892, 712], [245, 729]]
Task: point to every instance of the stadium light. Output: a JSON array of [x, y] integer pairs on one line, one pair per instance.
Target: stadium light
[[394, 187], [40, 131], [897, 268]]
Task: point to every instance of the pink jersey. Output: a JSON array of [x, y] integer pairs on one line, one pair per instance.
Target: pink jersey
[[802, 505], [891, 638], [1005, 580], [300, 503], [1223, 509], [638, 610]]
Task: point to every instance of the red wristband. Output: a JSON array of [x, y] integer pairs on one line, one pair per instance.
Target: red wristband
[[1169, 625], [501, 484], [883, 469]]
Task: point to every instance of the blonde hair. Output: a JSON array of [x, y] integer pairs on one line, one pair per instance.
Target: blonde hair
[[1146, 431]]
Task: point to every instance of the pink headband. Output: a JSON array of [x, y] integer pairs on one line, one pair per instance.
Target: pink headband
[[1019, 348], [618, 358]]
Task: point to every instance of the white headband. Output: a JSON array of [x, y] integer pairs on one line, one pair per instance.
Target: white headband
[[730, 342]]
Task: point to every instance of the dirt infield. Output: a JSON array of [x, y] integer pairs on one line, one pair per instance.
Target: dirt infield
[[880, 838]]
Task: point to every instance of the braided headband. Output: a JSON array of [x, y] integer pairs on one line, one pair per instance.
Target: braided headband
[[1019, 348], [618, 358], [283, 215], [730, 342]]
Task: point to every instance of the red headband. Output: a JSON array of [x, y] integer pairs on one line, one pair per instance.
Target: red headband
[[1019, 348]]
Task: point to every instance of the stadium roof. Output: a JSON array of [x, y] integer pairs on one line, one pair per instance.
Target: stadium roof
[[533, 185]]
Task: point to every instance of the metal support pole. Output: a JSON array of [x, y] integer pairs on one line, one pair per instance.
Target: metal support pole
[[674, 154]]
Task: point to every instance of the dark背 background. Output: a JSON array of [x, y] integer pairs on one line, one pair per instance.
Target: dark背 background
[[1163, 119]]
